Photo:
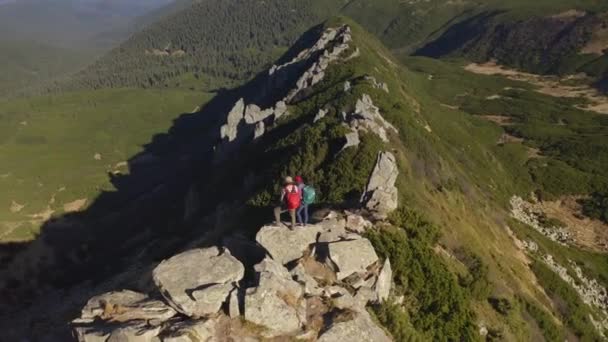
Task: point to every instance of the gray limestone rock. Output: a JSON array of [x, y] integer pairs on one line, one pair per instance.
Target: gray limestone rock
[[352, 256], [275, 302], [352, 140], [131, 331], [280, 109], [260, 129], [380, 196], [310, 285], [191, 331], [367, 117], [384, 282], [198, 281], [366, 295], [359, 329], [254, 114], [135, 331], [233, 304], [347, 86], [285, 245], [122, 306], [320, 115], [229, 130], [356, 223]]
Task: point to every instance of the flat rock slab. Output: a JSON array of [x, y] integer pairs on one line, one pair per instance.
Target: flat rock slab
[[133, 331], [359, 329], [197, 282], [352, 256], [122, 306], [285, 245]]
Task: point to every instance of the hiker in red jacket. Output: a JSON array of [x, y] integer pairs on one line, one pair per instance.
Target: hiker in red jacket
[[290, 201]]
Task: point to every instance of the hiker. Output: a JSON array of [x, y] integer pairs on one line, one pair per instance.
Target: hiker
[[307, 198], [290, 201]]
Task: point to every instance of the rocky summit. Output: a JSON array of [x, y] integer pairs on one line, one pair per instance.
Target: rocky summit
[[313, 285]]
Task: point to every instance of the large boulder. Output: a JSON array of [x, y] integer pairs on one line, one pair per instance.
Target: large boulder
[[285, 245], [367, 118], [276, 302], [360, 329], [357, 223], [310, 285], [254, 114], [197, 282], [380, 196], [384, 282], [229, 131], [132, 331], [351, 256], [191, 331], [122, 306]]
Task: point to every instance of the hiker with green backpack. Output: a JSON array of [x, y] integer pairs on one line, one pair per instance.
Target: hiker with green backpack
[[308, 197]]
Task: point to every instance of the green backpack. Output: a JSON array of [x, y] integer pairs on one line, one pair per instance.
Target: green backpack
[[308, 195]]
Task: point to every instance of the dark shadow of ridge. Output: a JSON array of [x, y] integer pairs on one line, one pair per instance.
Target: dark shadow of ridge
[[145, 220]]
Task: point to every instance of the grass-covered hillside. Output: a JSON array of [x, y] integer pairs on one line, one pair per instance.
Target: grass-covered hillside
[[42, 42], [28, 65], [218, 39], [455, 262], [230, 41], [57, 152]]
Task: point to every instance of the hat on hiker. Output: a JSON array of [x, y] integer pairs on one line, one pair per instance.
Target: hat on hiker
[[288, 180], [299, 179]]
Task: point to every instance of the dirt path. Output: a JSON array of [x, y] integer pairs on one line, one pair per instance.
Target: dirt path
[[592, 234], [548, 85]]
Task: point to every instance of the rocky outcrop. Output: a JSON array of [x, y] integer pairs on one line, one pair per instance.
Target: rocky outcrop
[[248, 121], [197, 282], [352, 256], [380, 196], [191, 331], [133, 317], [122, 306], [276, 302], [376, 84], [367, 118], [131, 331], [254, 114], [590, 291], [230, 129], [384, 282], [360, 328], [526, 213], [352, 140], [320, 115], [357, 223], [313, 284], [285, 245]]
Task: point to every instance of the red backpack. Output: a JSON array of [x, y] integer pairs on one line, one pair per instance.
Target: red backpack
[[292, 197]]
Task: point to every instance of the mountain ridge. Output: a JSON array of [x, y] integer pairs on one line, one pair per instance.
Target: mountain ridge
[[466, 267]]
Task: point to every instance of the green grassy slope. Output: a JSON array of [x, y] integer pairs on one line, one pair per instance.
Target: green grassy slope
[[227, 39], [455, 183], [234, 40], [48, 147], [28, 64]]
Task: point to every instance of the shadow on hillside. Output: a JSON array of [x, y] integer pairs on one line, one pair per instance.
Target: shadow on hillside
[[458, 36], [173, 195]]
